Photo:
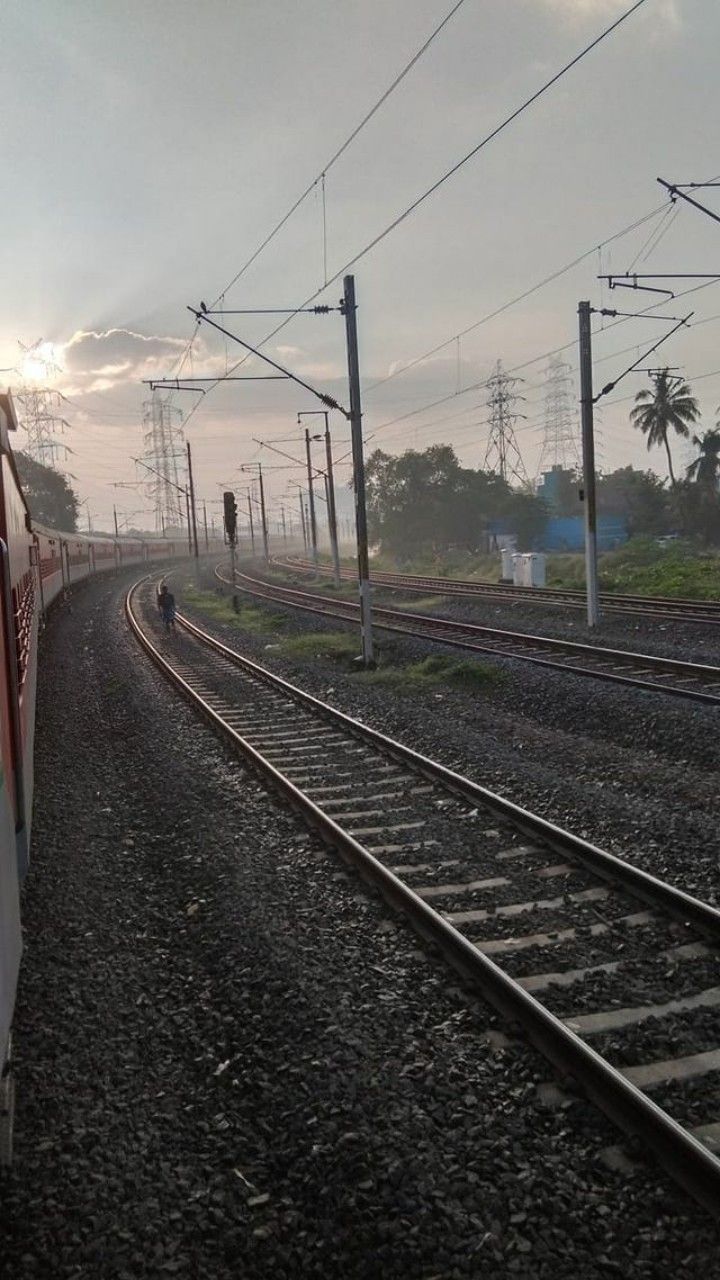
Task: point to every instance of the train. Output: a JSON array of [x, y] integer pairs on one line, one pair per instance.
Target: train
[[37, 566]]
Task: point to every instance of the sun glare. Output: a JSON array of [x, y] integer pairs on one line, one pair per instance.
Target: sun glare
[[39, 363]]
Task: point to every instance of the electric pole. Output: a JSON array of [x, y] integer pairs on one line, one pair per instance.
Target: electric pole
[[588, 458], [262, 514], [329, 486], [302, 518], [332, 514], [348, 308], [207, 540], [252, 526], [115, 519], [191, 489], [311, 495]]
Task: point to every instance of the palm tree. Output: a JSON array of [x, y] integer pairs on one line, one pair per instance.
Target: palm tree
[[669, 404], [705, 470]]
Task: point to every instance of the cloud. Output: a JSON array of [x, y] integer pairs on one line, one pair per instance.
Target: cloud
[[95, 360]]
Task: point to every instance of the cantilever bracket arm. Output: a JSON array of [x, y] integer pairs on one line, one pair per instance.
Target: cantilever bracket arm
[[676, 193], [631, 282], [611, 385], [203, 317]]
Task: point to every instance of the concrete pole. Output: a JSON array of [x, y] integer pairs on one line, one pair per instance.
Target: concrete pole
[[191, 487], [262, 515], [311, 495], [349, 310], [332, 514], [588, 452]]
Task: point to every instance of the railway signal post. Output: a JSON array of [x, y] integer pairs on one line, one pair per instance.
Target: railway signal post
[[588, 456], [230, 514], [191, 492], [348, 308]]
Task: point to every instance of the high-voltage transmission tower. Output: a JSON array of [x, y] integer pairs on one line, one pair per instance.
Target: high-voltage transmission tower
[[502, 454], [41, 411], [560, 446], [164, 448]]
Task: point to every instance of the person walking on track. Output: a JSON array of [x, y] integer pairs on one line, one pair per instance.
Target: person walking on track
[[166, 605]]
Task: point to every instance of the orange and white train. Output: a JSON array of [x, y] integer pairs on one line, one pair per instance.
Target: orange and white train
[[36, 566]]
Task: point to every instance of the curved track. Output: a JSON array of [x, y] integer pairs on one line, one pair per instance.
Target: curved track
[[678, 608], [560, 936], [697, 681]]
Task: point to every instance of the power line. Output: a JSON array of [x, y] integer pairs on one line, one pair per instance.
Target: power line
[[545, 355], [487, 139], [521, 297], [524, 106], [320, 178]]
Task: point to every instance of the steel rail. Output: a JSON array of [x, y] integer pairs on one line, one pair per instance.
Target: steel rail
[[684, 1158], [470, 636], [678, 608]]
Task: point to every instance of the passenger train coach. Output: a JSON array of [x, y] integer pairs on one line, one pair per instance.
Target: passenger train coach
[[36, 566]]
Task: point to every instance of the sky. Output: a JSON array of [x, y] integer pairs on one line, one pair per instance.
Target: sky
[[149, 150]]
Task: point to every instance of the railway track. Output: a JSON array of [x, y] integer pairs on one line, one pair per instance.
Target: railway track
[[697, 681], [610, 972], [665, 607]]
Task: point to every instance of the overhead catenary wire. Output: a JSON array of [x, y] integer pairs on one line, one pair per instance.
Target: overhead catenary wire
[[526, 364], [521, 297], [489, 137], [321, 176], [484, 142]]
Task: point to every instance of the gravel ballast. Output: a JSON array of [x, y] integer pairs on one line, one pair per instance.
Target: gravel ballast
[[232, 1061]]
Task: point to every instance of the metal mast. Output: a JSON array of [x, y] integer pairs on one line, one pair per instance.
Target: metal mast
[[42, 421], [164, 447], [40, 407], [502, 454], [560, 446]]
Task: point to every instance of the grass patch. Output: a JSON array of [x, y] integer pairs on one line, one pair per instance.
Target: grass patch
[[219, 608], [335, 645], [422, 605], [642, 567], [432, 672]]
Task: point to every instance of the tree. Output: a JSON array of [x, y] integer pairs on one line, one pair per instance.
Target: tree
[[705, 470], [668, 405], [640, 497], [426, 502], [48, 494], [698, 497]]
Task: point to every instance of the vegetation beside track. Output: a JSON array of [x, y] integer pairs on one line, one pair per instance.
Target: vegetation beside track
[[640, 567], [219, 608], [342, 648]]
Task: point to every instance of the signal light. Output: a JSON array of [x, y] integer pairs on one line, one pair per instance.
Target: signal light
[[230, 507]]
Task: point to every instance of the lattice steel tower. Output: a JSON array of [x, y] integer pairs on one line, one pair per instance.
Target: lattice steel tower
[[561, 445], [502, 454], [40, 416], [164, 448], [40, 407]]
